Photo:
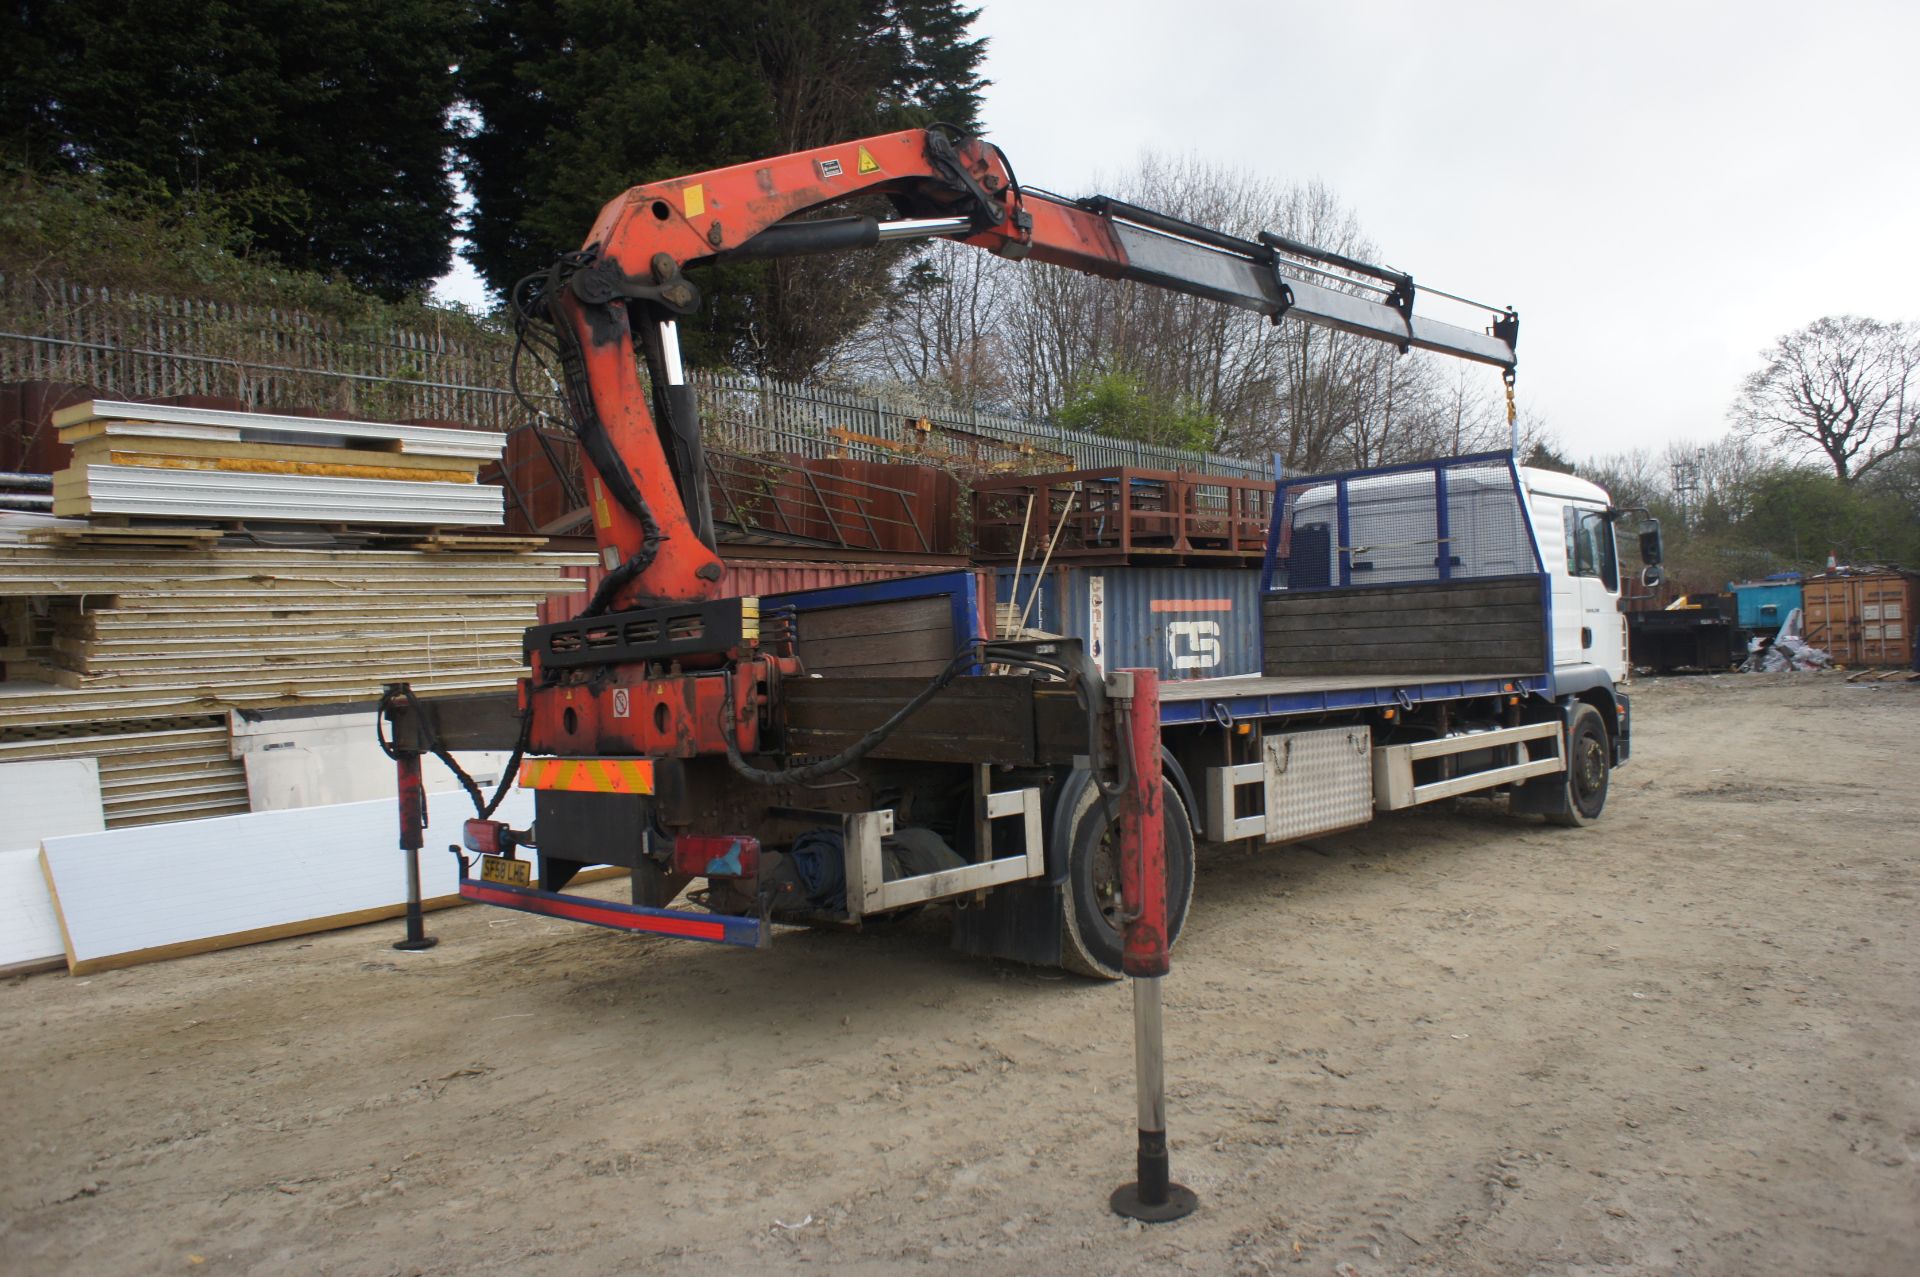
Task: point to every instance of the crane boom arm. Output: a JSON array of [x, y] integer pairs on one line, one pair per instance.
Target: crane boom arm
[[1254, 276], [648, 487]]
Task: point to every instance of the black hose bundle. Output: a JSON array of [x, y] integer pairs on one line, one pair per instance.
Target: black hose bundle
[[397, 693], [536, 332], [1079, 675]]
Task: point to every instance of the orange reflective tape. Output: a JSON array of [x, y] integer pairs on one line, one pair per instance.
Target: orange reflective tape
[[588, 775]]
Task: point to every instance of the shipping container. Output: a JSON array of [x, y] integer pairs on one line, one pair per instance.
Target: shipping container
[[1863, 618], [1763, 606], [751, 578], [1185, 622]]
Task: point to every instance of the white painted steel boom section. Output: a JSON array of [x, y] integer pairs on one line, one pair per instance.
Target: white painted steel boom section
[[1268, 280]]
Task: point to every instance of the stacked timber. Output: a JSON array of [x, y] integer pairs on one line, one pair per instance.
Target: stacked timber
[[163, 461], [134, 654]]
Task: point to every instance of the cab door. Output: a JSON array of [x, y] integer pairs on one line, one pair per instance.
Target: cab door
[[1593, 564], [1556, 555]]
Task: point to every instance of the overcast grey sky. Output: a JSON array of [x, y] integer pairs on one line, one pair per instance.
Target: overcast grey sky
[[1660, 188]]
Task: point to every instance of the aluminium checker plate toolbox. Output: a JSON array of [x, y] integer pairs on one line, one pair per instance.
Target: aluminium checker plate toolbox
[[1318, 781]]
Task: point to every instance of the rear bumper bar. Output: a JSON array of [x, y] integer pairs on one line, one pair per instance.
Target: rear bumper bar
[[711, 928]]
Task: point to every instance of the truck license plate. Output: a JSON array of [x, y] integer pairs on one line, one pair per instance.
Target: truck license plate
[[505, 871]]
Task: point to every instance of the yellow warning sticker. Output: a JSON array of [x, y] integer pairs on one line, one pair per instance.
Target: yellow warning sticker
[[696, 197], [602, 517], [867, 163]]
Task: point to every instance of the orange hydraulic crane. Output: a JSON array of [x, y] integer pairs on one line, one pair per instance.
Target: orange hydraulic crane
[[640, 718], [619, 298]]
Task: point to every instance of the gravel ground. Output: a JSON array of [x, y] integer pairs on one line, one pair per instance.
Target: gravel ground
[[1683, 1040]]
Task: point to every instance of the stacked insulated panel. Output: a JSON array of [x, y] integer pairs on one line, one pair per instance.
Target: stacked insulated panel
[[136, 655], [199, 464]]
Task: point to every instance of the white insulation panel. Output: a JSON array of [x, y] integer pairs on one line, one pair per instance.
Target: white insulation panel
[[39, 799], [160, 890], [325, 759], [46, 797], [29, 927], [239, 495], [215, 423]]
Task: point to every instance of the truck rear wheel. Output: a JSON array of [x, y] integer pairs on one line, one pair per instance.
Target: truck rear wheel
[[1091, 939], [1589, 766]]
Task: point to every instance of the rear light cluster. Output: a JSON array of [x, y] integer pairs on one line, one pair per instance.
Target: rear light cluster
[[716, 856], [492, 837]]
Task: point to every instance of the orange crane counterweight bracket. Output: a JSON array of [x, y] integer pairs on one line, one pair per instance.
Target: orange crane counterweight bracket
[[648, 488]]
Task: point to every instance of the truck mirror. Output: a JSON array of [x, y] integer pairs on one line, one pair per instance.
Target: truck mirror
[[1651, 575], [1651, 551]]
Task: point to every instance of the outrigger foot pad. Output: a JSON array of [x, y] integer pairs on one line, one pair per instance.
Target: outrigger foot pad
[[1180, 1202]]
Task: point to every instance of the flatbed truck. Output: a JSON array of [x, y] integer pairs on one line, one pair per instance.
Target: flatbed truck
[[836, 757], [1461, 636]]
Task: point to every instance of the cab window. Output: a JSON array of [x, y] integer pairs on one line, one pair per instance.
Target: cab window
[[1590, 549]]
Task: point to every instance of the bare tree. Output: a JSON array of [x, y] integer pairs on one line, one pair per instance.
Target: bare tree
[[973, 330], [1843, 386], [941, 330]]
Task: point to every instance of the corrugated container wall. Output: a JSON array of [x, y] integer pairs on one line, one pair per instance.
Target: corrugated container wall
[[1184, 622], [751, 577], [1864, 619]]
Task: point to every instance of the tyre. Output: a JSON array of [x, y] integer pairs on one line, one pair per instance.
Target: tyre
[[1091, 939], [1589, 767]]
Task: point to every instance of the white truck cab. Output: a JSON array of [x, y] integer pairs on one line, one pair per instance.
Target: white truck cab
[[1573, 523], [1390, 535]]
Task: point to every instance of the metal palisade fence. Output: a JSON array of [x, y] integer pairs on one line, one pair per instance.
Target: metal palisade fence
[[145, 345]]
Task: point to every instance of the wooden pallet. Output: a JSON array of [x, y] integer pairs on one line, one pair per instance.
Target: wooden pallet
[[173, 536], [1873, 674], [456, 542]]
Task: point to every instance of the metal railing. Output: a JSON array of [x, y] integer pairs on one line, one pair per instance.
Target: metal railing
[[774, 500], [150, 346], [1120, 512]]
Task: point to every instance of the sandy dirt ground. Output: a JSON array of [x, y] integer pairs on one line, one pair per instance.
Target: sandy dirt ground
[[1685, 1040]]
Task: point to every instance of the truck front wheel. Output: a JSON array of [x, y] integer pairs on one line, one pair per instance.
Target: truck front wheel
[[1091, 939], [1589, 765]]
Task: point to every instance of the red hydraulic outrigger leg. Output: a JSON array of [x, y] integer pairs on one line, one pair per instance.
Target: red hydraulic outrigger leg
[[1152, 1197], [413, 827]]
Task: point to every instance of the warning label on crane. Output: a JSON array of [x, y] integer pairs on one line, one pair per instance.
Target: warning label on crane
[[867, 164]]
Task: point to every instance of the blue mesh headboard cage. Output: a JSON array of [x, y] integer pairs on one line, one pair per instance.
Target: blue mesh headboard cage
[[1449, 520]]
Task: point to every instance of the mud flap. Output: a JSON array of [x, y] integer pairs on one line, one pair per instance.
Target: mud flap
[[1543, 795], [1019, 922]]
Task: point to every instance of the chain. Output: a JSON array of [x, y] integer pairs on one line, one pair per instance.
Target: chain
[[1512, 413]]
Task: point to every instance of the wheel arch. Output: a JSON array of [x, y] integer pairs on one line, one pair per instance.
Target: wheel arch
[[1066, 803]]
